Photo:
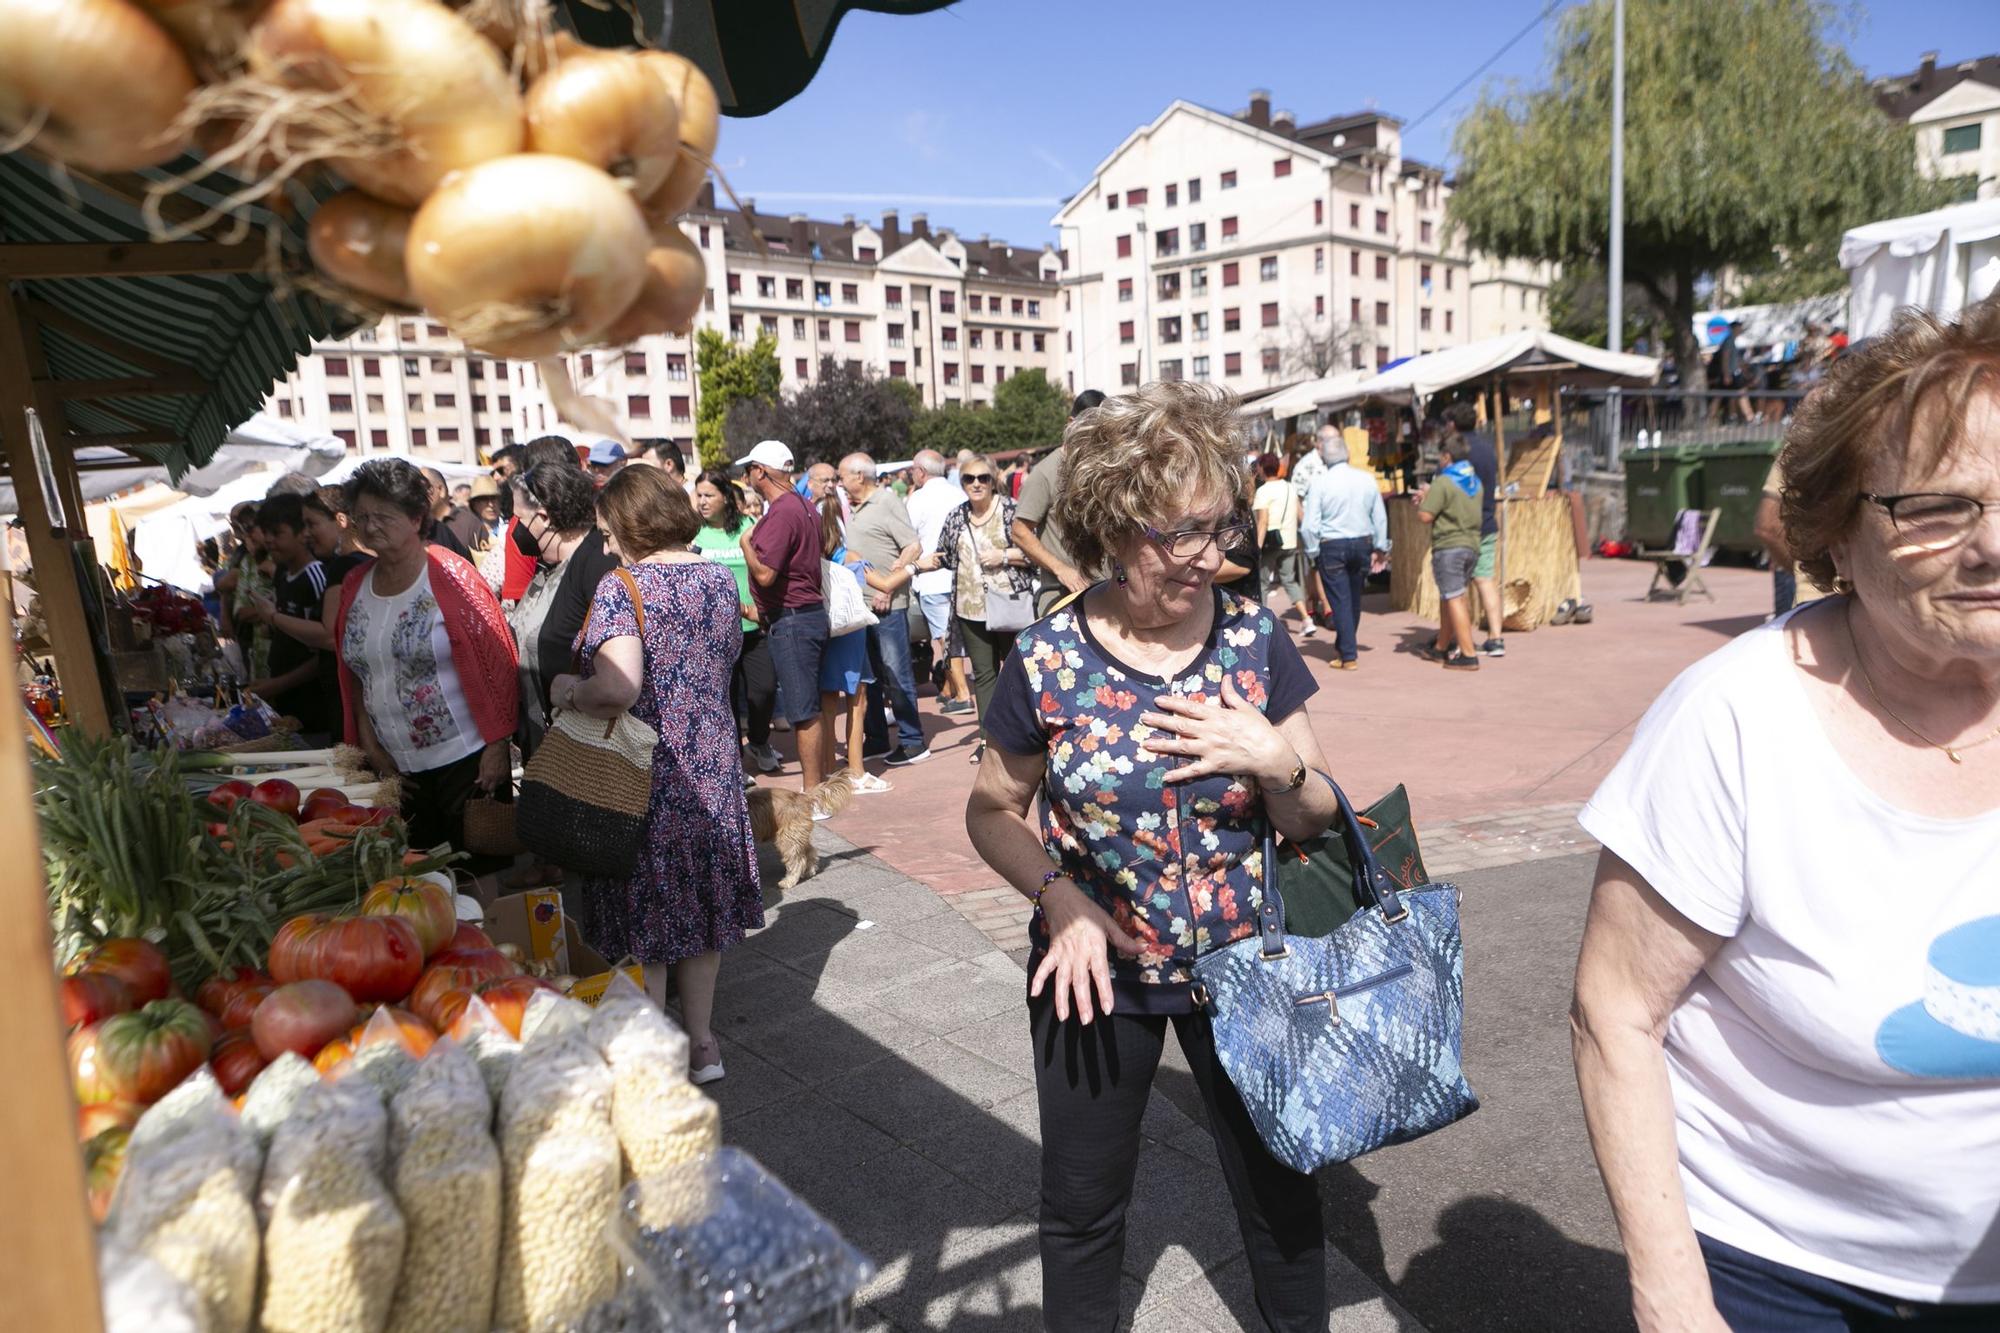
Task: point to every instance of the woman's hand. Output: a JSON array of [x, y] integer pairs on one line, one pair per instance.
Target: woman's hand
[[379, 760], [257, 610], [493, 766], [1079, 930], [990, 559], [1225, 735], [928, 563]]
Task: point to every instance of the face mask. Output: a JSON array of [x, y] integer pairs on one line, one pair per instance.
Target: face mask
[[525, 543]]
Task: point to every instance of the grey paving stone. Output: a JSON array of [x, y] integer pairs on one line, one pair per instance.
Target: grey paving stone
[[872, 961], [1002, 1038], [1002, 964], [995, 1149], [753, 991], [948, 932], [992, 1280], [805, 928], [934, 1083], [892, 899], [1181, 1221], [1224, 1300], [751, 1083], [821, 1150], [818, 1045], [955, 997], [907, 1215]]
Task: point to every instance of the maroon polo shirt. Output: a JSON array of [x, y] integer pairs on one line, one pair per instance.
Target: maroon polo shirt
[[787, 539]]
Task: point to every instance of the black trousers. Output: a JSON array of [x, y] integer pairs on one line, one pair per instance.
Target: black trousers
[[753, 687], [1092, 1083], [434, 806]]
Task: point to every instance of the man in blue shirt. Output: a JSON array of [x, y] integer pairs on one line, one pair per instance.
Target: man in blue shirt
[[1345, 531]]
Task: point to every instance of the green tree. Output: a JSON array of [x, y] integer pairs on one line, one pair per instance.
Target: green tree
[[728, 373], [1029, 411], [1748, 134], [952, 428], [908, 392], [842, 410]]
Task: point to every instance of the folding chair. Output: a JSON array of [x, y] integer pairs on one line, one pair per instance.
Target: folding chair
[[1693, 560]]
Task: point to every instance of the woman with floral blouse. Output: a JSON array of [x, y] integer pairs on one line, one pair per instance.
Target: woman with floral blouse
[[1162, 719]]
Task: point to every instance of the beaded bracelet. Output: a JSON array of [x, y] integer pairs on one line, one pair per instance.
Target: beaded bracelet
[[1048, 879]]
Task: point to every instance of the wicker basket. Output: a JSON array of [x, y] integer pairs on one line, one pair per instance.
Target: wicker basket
[[489, 828]]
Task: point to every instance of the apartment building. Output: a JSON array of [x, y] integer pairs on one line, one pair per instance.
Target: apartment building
[[1216, 247], [955, 317], [1955, 111]]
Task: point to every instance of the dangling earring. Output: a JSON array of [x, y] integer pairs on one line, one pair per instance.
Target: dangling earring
[[1118, 572]]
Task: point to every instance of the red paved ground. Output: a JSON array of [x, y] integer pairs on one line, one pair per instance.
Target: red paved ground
[[1542, 725]]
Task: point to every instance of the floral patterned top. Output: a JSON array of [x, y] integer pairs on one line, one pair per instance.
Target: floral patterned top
[[400, 655], [1178, 866]]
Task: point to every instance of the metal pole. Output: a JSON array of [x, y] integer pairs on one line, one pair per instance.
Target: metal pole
[[1614, 336]]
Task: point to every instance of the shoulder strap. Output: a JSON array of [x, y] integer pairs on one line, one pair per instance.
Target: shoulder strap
[[638, 613]]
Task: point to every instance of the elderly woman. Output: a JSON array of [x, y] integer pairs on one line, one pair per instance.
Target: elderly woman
[[1162, 721], [1787, 1015], [427, 664], [555, 515], [977, 544], [694, 892]]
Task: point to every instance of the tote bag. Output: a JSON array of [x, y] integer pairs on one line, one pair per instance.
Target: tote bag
[[846, 607]]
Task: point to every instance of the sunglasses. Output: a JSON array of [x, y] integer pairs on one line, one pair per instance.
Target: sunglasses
[[975, 478]]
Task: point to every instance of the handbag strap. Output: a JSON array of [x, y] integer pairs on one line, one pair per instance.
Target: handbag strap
[[576, 653], [1372, 884]]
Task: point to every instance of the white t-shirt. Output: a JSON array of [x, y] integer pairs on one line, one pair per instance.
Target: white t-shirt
[[1836, 1066], [928, 505], [398, 650], [1280, 504]]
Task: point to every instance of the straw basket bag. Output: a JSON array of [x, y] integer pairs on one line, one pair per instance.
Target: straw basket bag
[[585, 793]]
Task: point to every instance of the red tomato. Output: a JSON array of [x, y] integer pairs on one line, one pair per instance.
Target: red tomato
[[507, 998], [424, 903], [90, 996], [277, 794], [301, 1017], [86, 1068], [469, 936], [489, 959], [236, 1060], [242, 1004], [322, 802], [146, 1054], [464, 973], [376, 959], [103, 1160], [225, 797], [94, 1120], [361, 816], [134, 962], [213, 994], [294, 947]]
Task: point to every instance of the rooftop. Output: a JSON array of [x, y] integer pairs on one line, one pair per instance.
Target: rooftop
[[797, 234], [1903, 95]]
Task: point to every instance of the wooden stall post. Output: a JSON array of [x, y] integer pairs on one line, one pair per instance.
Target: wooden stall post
[[1500, 500]]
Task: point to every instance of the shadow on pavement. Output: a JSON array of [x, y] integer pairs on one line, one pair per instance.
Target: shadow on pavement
[[1729, 626]]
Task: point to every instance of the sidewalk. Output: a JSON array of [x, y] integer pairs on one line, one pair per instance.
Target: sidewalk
[[878, 1056]]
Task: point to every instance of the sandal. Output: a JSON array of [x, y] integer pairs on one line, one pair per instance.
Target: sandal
[[868, 785]]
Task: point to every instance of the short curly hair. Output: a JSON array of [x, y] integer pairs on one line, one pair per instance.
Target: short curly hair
[[1139, 460], [1906, 391]]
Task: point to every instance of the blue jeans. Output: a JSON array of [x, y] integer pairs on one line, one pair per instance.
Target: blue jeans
[[1756, 1295], [1343, 572], [895, 680], [1784, 589]]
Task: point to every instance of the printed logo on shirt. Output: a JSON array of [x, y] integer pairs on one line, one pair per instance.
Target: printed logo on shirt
[[1953, 1032]]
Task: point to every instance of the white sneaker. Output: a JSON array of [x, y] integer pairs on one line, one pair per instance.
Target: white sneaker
[[1310, 630]]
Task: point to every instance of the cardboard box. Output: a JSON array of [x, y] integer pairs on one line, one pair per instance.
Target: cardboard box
[[535, 923]]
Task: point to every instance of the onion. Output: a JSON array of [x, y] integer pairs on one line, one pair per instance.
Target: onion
[[700, 112], [527, 255], [609, 109], [211, 32], [434, 89], [358, 241], [676, 277], [95, 83]]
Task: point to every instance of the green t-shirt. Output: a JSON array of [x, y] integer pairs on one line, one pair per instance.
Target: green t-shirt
[[1457, 524], [723, 548]]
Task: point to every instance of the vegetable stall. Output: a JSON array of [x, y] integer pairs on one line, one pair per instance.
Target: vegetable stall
[[312, 1096]]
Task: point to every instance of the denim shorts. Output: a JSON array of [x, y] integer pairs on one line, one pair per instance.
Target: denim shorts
[[798, 640], [936, 607], [1489, 547], [1453, 569]]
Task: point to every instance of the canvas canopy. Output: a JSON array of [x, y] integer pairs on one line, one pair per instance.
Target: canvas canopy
[[1941, 261], [1423, 377]]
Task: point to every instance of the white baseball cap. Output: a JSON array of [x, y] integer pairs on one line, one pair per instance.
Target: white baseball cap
[[771, 454]]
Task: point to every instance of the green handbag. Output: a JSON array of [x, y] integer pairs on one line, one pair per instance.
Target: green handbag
[[1316, 877]]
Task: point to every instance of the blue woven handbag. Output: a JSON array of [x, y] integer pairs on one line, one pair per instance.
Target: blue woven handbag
[[1346, 1043]]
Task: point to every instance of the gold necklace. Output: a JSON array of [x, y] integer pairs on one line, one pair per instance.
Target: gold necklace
[[1952, 752]]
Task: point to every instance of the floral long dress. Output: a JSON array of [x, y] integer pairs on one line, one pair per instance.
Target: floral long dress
[[695, 889]]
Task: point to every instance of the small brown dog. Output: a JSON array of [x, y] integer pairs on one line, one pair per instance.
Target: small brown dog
[[785, 820]]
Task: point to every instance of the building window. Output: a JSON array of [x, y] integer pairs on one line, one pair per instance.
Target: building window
[[798, 328], [1232, 363], [478, 402], [1381, 357], [1198, 281], [1447, 321], [680, 407], [768, 324], [447, 435], [1170, 328], [1424, 232], [795, 289], [822, 293], [1382, 221], [1354, 215], [435, 330], [1354, 357], [1282, 167], [1232, 319], [442, 366], [445, 400], [947, 303], [379, 438], [1424, 274], [866, 254], [899, 370], [419, 438], [767, 289], [677, 366], [800, 368], [1267, 269], [336, 366], [1319, 259], [1381, 268], [1173, 194], [1962, 138], [1270, 314], [1110, 201], [375, 403], [506, 403], [1124, 289], [736, 284], [1228, 180], [1447, 279], [340, 402], [1229, 229], [1125, 247], [1128, 373], [824, 327], [346, 437], [704, 237], [1231, 274], [1069, 341], [895, 335], [892, 297], [1201, 368], [1197, 236], [406, 331], [1016, 304], [1319, 307], [1200, 319], [589, 365], [978, 302], [975, 339], [638, 405], [1041, 342], [1319, 212], [1125, 331], [475, 368], [978, 373], [1170, 286], [481, 436], [371, 365], [736, 328], [1194, 190], [1354, 263], [950, 371], [1424, 319], [1354, 311], [1034, 309], [1133, 198], [850, 292], [1170, 370], [851, 331], [1382, 313], [1269, 357], [999, 374]]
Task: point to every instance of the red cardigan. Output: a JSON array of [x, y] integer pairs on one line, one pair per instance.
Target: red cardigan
[[482, 646]]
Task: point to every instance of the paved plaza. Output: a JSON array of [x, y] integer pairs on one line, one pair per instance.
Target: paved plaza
[[877, 1039]]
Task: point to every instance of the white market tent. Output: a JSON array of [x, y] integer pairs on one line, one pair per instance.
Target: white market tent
[[1941, 261], [1299, 399], [1423, 377], [258, 442]]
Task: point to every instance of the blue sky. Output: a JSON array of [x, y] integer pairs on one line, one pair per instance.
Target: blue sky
[[983, 115]]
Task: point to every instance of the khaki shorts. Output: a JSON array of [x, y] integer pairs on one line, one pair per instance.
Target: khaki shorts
[[1489, 546]]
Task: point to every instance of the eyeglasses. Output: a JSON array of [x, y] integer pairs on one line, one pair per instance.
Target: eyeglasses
[[1191, 542], [1932, 520], [975, 479], [376, 520]]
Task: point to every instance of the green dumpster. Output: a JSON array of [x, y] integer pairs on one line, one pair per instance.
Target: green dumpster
[[1733, 478], [1659, 483]]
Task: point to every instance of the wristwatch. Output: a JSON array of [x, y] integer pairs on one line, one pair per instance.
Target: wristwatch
[[1294, 782]]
